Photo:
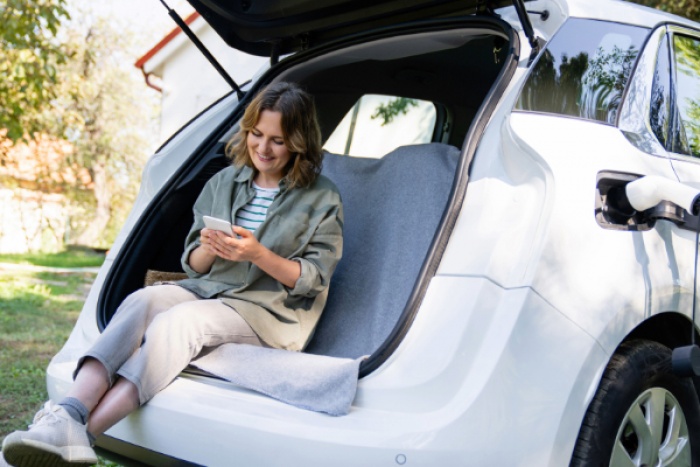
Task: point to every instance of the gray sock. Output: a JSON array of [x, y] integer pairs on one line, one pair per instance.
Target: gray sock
[[75, 409]]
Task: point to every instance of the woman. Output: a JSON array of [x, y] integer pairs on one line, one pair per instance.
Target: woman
[[265, 284]]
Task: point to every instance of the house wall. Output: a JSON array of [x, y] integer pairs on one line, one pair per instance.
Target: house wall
[[35, 213], [190, 83], [32, 220]]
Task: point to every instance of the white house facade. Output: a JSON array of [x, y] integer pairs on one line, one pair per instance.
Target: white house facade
[[187, 81]]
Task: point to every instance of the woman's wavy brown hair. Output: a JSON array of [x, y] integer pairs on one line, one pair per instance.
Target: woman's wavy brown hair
[[300, 131]]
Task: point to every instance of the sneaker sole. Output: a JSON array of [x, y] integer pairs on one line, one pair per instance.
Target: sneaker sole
[[30, 453]]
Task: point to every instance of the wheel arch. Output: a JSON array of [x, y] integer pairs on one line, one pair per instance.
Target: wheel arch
[[642, 360], [671, 329]]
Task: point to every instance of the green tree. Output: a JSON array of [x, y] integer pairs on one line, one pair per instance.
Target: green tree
[[98, 112], [29, 56], [392, 109], [687, 8], [687, 53], [104, 109]]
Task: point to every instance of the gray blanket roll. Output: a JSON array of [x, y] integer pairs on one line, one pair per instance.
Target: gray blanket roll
[[312, 382]]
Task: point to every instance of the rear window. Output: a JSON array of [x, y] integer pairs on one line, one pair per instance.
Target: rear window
[[378, 124], [584, 70]]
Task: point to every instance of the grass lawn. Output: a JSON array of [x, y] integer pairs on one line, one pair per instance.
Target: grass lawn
[[71, 258], [37, 313]]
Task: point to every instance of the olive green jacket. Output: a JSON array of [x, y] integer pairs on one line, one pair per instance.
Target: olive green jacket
[[303, 224]]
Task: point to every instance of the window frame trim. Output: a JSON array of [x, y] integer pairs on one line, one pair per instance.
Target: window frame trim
[[674, 30], [634, 117], [670, 138]]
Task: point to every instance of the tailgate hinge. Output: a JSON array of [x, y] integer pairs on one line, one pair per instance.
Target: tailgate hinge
[[535, 42]]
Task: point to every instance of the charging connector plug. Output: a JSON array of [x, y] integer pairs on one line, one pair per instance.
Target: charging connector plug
[[685, 360]]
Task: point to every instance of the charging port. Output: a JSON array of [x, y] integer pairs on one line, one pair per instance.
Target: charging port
[[612, 208]]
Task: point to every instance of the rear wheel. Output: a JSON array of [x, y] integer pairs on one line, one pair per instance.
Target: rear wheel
[[642, 414]]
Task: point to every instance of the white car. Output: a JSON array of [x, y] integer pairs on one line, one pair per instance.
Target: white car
[[520, 185]]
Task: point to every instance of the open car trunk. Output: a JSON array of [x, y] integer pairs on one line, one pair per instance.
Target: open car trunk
[[399, 208]]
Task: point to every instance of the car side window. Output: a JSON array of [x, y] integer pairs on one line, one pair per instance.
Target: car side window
[[584, 70], [687, 62], [378, 124], [660, 107]]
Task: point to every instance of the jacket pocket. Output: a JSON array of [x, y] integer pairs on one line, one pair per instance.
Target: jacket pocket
[[289, 236]]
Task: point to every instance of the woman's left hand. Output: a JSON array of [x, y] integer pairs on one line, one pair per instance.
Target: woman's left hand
[[245, 247]]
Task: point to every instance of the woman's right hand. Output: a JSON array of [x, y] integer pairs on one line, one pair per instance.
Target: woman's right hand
[[202, 257], [205, 238]]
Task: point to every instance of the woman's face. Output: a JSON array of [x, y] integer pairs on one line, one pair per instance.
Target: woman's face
[[267, 150]]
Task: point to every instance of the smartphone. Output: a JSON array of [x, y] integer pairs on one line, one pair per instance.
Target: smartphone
[[218, 224]]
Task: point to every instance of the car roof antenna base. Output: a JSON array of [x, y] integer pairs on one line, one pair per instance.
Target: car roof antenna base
[[195, 40]]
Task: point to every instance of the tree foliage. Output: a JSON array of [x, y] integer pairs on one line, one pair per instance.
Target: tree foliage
[[392, 109], [687, 8], [102, 118], [29, 56], [107, 113], [687, 54]]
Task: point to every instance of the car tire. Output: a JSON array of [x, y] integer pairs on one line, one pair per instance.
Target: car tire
[[642, 414]]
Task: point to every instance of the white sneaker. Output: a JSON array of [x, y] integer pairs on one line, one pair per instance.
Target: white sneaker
[[3, 462], [54, 439]]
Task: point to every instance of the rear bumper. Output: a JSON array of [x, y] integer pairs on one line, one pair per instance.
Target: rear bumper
[[209, 422], [485, 376]]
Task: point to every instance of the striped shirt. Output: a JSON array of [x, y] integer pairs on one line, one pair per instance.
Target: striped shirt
[[254, 213]]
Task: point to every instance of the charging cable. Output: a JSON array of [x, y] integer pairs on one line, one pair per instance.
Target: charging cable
[[695, 287], [685, 361]]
